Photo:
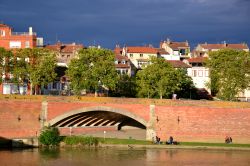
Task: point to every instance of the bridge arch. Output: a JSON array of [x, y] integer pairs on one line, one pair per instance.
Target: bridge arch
[[93, 110]]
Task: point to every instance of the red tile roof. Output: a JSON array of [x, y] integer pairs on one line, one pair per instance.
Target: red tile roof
[[221, 46], [117, 51], [3, 25], [162, 51], [122, 65], [178, 64], [64, 48], [120, 57], [197, 60], [149, 50], [177, 45]]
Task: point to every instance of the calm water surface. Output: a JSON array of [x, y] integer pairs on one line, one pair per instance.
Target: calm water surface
[[122, 157]]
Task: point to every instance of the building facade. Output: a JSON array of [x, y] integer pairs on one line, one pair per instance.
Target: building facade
[[12, 40], [140, 56], [176, 50]]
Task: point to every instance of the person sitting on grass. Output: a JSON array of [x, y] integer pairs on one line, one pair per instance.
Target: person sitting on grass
[[228, 140], [170, 140]]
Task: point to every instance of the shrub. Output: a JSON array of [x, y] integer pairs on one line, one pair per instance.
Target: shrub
[[75, 140], [50, 136]]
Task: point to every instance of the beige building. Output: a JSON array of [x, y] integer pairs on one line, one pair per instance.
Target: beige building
[[202, 50], [176, 50], [200, 74], [65, 52], [139, 56], [122, 63]]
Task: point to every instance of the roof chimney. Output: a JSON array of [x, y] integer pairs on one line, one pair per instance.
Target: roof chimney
[[168, 41], [30, 31], [225, 43]]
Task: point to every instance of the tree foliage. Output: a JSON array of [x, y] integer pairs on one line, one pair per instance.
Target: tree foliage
[[93, 68], [126, 87], [36, 66], [50, 136], [229, 72], [6, 62], [160, 79]]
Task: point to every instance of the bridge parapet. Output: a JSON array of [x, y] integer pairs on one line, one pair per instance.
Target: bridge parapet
[[142, 101]]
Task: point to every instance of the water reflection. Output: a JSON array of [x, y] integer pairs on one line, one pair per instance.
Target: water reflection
[[120, 157]]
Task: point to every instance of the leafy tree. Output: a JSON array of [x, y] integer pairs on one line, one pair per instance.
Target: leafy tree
[[159, 79], [36, 66], [186, 86], [126, 86], [6, 62], [93, 68], [50, 136], [229, 72]]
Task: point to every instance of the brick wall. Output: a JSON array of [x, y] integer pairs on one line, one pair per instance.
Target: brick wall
[[184, 123], [203, 124], [19, 119]]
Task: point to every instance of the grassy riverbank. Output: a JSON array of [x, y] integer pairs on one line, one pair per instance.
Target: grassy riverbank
[[76, 140]]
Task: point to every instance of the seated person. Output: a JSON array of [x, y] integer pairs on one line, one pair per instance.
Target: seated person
[[158, 140], [171, 140]]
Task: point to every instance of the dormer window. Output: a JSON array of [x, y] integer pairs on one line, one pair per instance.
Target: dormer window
[[2, 33], [123, 62]]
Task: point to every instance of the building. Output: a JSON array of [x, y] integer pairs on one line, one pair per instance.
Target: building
[[11, 40], [202, 50], [139, 56], [176, 50], [64, 53], [200, 74], [122, 63], [177, 64]]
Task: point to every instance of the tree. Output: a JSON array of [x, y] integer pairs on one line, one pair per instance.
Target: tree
[[6, 62], [158, 80], [126, 86], [36, 66], [229, 72], [93, 68], [186, 86]]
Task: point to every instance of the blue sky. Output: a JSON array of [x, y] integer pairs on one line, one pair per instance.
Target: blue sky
[[130, 22]]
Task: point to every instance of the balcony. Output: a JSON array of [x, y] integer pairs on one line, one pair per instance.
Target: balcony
[[22, 33]]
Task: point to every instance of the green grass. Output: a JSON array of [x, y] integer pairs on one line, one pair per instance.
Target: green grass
[[78, 139], [83, 140], [124, 141], [214, 144]]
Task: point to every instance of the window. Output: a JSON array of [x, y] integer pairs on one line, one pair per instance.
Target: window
[[182, 51], [27, 44], [123, 62], [116, 61], [206, 73], [15, 44], [200, 73], [68, 56], [62, 56], [141, 55], [131, 55], [2, 32], [194, 73]]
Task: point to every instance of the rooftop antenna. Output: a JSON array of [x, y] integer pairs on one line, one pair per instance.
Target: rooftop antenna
[[56, 38]]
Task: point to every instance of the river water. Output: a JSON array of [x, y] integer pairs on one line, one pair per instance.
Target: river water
[[122, 157]]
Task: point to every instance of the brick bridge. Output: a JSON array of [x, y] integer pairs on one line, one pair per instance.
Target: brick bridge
[[185, 120]]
